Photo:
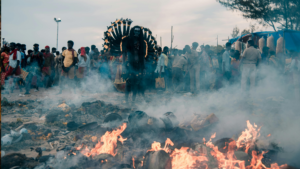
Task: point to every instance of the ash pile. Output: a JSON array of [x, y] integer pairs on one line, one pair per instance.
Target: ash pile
[[99, 135]]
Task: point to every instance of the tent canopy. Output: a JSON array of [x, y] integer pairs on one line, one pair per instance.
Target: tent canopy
[[292, 38]]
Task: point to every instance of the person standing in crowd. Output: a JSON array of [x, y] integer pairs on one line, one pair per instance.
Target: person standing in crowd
[[34, 67], [226, 60], [194, 68], [250, 58], [58, 66], [83, 65], [93, 47], [70, 58], [4, 65], [87, 50], [265, 55], [166, 68], [179, 66], [235, 66], [23, 55], [48, 67], [205, 68], [215, 71], [53, 51], [160, 68], [13, 65], [19, 47], [295, 70], [272, 61]]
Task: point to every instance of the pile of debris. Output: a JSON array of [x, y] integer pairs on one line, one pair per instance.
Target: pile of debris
[[99, 135]]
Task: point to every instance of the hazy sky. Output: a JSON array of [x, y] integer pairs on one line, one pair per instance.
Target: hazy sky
[[84, 21]]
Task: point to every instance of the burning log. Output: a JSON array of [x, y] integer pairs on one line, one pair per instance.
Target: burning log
[[157, 160], [89, 126], [10, 160], [72, 126], [198, 123], [112, 117]]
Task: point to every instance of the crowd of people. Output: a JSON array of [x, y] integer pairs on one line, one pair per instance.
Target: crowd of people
[[187, 70]]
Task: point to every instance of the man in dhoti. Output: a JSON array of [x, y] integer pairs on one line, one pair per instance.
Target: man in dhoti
[[250, 58]]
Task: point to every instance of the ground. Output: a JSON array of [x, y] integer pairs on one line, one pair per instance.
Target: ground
[[271, 112]]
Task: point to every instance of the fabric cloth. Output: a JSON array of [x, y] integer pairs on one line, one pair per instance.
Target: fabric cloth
[[82, 62], [180, 62], [193, 57], [160, 63], [3, 75], [248, 71], [49, 60], [10, 69], [80, 73], [70, 74], [235, 64], [68, 54], [14, 53], [251, 56], [5, 57], [24, 74], [226, 61], [12, 61], [166, 61], [46, 70], [177, 78], [194, 78]]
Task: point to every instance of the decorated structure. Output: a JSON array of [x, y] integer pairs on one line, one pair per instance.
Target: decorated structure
[[116, 42]]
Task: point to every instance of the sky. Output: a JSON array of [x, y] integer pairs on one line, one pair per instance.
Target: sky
[[84, 22]]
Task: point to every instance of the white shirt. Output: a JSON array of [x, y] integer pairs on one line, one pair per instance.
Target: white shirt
[[82, 63], [12, 62], [160, 63]]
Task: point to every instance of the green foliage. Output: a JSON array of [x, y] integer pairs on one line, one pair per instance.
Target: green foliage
[[268, 12]]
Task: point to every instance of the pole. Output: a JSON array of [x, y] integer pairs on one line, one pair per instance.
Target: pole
[[171, 38], [57, 37], [160, 43]]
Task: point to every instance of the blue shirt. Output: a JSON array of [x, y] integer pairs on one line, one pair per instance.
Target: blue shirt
[[22, 55]]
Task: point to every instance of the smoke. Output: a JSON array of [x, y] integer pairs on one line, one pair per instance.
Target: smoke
[[271, 104]]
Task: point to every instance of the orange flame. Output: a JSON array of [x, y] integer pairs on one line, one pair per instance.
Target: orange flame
[[246, 140], [268, 135], [133, 162], [187, 158], [107, 143], [156, 146], [248, 136]]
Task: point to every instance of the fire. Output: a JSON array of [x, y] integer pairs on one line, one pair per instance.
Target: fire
[[248, 136], [187, 158], [268, 135], [107, 143], [183, 158], [156, 146], [133, 162]]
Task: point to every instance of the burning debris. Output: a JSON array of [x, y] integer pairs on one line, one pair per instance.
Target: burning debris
[[106, 136]]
